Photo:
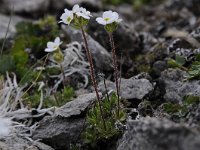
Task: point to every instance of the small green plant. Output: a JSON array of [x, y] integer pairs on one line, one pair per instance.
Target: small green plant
[[95, 130], [177, 63], [58, 99], [64, 96], [194, 71], [180, 110]]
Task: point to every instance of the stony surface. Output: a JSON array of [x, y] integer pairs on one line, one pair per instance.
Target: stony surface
[[93, 5], [77, 106], [132, 88], [15, 142], [176, 85], [25, 6], [158, 67], [158, 134], [65, 126], [101, 56], [4, 21]]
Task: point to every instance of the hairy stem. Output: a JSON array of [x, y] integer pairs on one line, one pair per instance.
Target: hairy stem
[[116, 74], [104, 81], [63, 74], [89, 57]]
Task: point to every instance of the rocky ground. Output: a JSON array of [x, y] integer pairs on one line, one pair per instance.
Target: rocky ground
[[158, 49]]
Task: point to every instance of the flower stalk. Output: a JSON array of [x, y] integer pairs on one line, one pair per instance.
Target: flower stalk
[[63, 74], [110, 20], [116, 73], [89, 57]]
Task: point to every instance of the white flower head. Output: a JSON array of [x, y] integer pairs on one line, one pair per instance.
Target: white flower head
[[53, 46], [83, 13], [67, 17], [108, 18]]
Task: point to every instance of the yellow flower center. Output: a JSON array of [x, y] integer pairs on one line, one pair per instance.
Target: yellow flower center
[[106, 19], [55, 47], [68, 19]]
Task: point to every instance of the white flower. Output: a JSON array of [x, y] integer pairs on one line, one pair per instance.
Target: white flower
[[108, 18], [5, 126], [52, 46], [67, 17], [81, 12]]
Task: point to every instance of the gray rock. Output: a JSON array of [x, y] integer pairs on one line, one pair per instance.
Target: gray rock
[[158, 67], [76, 106], [176, 85], [91, 4], [65, 126], [27, 6], [132, 88], [100, 55], [14, 142], [158, 134], [4, 21]]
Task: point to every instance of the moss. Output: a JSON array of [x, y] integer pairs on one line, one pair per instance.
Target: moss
[[30, 39], [7, 64], [143, 62], [35, 35], [181, 110], [57, 99]]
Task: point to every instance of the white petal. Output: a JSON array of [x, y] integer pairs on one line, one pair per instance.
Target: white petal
[[50, 45], [101, 21], [107, 14], [76, 8], [115, 15], [83, 10], [48, 50], [57, 40], [119, 20], [66, 10], [88, 13], [82, 15], [67, 17]]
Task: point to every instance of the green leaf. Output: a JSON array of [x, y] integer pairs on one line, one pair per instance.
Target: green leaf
[[180, 60], [194, 71], [173, 64], [191, 99]]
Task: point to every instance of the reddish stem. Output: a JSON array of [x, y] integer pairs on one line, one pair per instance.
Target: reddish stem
[[116, 74], [89, 57]]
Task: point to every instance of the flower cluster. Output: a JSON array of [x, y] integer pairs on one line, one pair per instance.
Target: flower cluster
[[79, 17], [75, 14]]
